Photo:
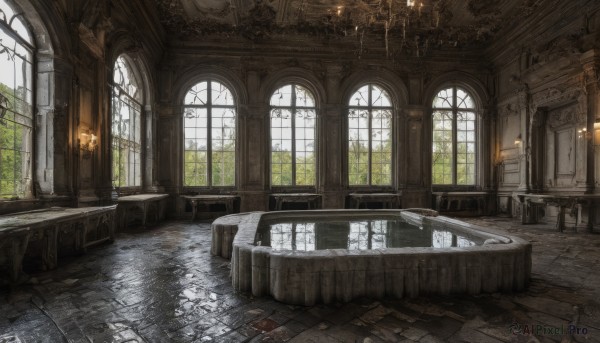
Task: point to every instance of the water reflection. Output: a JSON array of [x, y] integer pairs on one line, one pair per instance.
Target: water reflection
[[357, 235]]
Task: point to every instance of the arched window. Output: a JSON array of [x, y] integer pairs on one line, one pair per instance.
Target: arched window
[[370, 137], [209, 136], [126, 125], [454, 138], [16, 104], [293, 119]]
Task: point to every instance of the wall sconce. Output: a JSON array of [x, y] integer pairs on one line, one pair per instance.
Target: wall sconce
[[87, 140], [518, 140], [597, 132], [583, 133]]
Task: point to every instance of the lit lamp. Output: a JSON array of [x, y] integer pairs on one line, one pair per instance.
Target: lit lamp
[[597, 132], [88, 141], [582, 133], [518, 140]]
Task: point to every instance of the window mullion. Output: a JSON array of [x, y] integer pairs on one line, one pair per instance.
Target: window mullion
[[454, 137], [370, 131], [293, 114], [209, 136]]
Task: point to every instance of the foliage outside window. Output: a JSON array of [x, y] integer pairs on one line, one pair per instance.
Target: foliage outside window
[[126, 125], [209, 136], [370, 137], [453, 140], [16, 104], [293, 119]]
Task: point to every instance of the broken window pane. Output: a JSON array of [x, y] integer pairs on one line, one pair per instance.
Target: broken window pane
[[126, 125], [16, 111]]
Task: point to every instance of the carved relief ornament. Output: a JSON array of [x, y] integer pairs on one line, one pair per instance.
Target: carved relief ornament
[[562, 116], [508, 110], [554, 98]]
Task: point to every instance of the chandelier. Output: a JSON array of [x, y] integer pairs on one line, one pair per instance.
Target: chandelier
[[411, 25]]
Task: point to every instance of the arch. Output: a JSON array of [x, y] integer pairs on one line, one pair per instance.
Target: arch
[[53, 76], [300, 76], [127, 123], [210, 131], [124, 44], [475, 137], [461, 79], [293, 131], [394, 85], [51, 36], [370, 136], [192, 76]]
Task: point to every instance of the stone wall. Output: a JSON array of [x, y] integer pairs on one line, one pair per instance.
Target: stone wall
[[536, 88], [77, 43], [254, 72], [547, 102]]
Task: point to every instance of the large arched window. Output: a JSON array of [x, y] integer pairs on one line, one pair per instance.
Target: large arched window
[[293, 119], [209, 136], [16, 104], [126, 124], [370, 137], [454, 138]]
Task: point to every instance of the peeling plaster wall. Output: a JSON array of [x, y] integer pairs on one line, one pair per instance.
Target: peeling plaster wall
[[546, 72]]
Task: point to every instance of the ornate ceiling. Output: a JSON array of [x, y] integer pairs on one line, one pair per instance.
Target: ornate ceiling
[[414, 24]]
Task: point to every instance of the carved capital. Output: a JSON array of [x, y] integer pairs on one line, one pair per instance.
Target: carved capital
[[507, 110], [522, 95], [591, 74]]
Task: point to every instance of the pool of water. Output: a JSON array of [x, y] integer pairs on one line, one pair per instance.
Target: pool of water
[[357, 234], [305, 257]]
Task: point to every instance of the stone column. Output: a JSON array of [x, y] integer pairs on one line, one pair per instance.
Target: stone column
[[169, 141], [253, 160], [53, 141], [590, 62], [415, 174], [331, 140], [150, 151], [487, 148], [525, 150]]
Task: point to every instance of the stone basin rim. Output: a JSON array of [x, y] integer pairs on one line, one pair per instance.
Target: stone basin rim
[[248, 225], [340, 275]]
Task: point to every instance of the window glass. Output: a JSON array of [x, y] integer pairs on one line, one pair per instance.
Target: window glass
[[16, 105], [126, 125], [293, 123], [370, 137], [453, 138], [209, 130]]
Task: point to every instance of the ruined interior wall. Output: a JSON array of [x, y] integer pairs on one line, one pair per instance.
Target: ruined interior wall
[[547, 98]]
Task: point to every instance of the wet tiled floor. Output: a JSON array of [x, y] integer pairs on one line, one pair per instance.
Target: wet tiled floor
[[162, 285]]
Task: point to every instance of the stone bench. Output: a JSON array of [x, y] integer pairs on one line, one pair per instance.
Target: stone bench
[[310, 199], [573, 201], [470, 202], [143, 202], [210, 199], [387, 200], [46, 226]]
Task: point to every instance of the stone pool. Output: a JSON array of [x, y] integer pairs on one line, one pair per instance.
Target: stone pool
[[305, 257]]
